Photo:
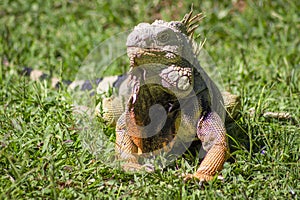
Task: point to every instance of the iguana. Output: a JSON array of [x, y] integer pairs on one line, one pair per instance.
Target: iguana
[[164, 71], [165, 77]]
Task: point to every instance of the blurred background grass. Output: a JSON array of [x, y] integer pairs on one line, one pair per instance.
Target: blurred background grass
[[254, 44]]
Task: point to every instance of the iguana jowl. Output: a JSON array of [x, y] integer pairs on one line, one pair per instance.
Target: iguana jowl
[[165, 71]]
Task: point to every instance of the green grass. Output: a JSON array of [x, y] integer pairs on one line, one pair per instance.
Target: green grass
[[256, 52]]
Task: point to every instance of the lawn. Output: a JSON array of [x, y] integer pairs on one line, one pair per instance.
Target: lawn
[[254, 51]]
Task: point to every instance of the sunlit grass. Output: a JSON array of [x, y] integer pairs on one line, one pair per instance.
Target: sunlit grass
[[256, 52]]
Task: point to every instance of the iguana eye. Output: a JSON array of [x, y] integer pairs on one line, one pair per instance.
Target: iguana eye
[[163, 37]]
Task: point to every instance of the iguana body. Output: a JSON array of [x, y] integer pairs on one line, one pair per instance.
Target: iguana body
[[165, 71]]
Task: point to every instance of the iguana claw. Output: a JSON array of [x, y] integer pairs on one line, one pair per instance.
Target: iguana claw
[[201, 177]]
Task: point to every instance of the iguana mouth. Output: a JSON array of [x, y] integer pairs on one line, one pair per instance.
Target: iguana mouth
[[140, 56]]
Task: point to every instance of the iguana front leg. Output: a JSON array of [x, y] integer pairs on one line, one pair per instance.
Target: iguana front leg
[[212, 133], [127, 151], [125, 148]]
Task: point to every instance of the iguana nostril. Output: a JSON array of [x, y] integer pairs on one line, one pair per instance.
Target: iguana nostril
[[148, 43]]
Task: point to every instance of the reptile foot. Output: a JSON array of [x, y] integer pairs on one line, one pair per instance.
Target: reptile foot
[[201, 177]]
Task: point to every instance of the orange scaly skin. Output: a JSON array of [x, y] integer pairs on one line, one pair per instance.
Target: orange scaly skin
[[216, 155]]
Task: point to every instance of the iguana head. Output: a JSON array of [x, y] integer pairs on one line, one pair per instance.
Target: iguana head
[[165, 48]]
